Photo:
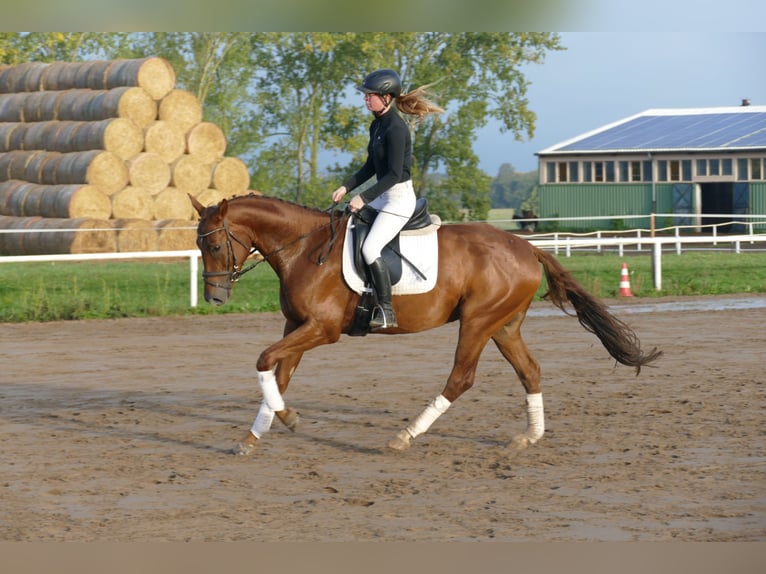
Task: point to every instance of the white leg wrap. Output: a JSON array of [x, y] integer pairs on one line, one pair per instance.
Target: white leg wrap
[[271, 394], [535, 417], [424, 420], [263, 421]]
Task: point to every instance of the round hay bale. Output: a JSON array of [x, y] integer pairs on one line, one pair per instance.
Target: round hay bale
[[176, 234], [230, 176], [172, 203], [25, 200], [57, 76], [33, 172], [7, 188], [206, 141], [181, 108], [190, 174], [17, 163], [95, 74], [13, 241], [80, 235], [135, 235], [120, 136], [33, 108], [65, 135], [132, 203], [22, 77], [73, 105], [103, 169], [132, 103], [149, 171], [74, 201], [11, 106], [7, 131], [153, 74], [165, 139], [210, 197]]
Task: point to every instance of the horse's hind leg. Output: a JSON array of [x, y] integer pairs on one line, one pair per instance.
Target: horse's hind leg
[[512, 347]]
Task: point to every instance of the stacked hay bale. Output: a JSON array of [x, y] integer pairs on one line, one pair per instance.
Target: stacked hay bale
[[102, 156]]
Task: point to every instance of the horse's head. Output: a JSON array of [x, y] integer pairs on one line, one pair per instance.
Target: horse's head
[[222, 252]]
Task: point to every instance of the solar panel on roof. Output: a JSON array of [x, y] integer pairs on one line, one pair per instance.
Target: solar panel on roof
[[685, 129]]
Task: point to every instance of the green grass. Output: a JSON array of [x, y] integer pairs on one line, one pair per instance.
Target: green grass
[[64, 291]]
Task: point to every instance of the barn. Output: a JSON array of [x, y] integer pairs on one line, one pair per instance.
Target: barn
[[687, 165]]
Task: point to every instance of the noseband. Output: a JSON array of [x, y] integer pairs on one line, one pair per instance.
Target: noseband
[[236, 271]]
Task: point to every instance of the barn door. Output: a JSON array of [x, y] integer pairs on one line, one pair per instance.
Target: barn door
[[683, 203], [740, 205]]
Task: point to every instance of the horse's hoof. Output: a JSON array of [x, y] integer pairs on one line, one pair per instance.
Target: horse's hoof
[[246, 447], [520, 442], [401, 441], [289, 418]]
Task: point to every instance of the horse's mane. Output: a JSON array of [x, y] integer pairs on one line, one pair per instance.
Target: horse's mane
[[253, 195]]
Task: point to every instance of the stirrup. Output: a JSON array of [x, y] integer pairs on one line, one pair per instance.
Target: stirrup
[[383, 318]]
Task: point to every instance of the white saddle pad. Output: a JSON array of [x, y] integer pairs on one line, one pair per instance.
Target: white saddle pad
[[421, 247]]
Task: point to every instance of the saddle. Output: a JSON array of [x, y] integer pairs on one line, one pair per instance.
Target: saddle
[[391, 254]]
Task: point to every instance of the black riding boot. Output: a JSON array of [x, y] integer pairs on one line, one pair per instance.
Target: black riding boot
[[381, 281]]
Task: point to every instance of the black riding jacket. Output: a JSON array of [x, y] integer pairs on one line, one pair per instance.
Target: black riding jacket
[[389, 156]]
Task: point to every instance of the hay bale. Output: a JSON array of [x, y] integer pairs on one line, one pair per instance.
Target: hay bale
[[121, 136], [149, 171], [172, 203], [7, 138], [23, 199], [104, 169], [231, 176], [43, 235], [206, 141], [132, 203], [135, 235], [176, 234], [210, 197], [132, 103], [165, 139], [190, 174], [181, 108], [11, 106], [153, 74], [22, 77]]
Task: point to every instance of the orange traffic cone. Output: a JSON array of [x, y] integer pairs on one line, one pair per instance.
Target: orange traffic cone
[[625, 282]]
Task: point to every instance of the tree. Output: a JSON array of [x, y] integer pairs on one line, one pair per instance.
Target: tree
[[511, 188]]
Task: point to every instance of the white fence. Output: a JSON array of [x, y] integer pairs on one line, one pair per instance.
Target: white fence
[[567, 242]]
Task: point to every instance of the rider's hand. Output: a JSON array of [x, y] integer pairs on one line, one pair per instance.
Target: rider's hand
[[338, 194], [356, 203]]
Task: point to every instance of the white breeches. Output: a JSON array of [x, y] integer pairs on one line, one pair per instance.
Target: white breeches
[[394, 206]]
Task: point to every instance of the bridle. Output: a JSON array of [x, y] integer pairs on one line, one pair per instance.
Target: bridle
[[237, 272]]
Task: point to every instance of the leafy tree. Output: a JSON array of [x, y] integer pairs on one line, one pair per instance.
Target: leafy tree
[[511, 188]]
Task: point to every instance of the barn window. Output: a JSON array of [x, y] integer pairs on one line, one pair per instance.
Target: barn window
[[551, 171], [702, 167], [609, 168], [742, 169], [755, 168], [598, 171], [715, 167], [635, 171], [662, 170], [726, 167], [624, 176], [686, 169], [574, 175], [587, 171], [562, 169], [648, 175], [675, 170]]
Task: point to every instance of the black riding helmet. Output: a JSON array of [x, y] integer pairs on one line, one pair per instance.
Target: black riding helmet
[[382, 82]]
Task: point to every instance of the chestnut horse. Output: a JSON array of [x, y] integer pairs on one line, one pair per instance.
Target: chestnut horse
[[487, 279]]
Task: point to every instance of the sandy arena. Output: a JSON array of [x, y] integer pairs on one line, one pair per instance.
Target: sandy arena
[[121, 431]]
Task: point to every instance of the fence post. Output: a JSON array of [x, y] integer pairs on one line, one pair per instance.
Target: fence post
[[678, 243], [657, 265], [193, 271]]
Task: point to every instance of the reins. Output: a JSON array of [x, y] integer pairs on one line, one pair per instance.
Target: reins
[[236, 273]]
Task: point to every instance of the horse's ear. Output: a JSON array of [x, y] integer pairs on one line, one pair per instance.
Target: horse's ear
[[223, 208], [196, 204]]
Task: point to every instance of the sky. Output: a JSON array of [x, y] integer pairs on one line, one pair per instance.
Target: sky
[[603, 77]]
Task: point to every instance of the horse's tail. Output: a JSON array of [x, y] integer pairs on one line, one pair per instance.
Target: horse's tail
[[616, 336]]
